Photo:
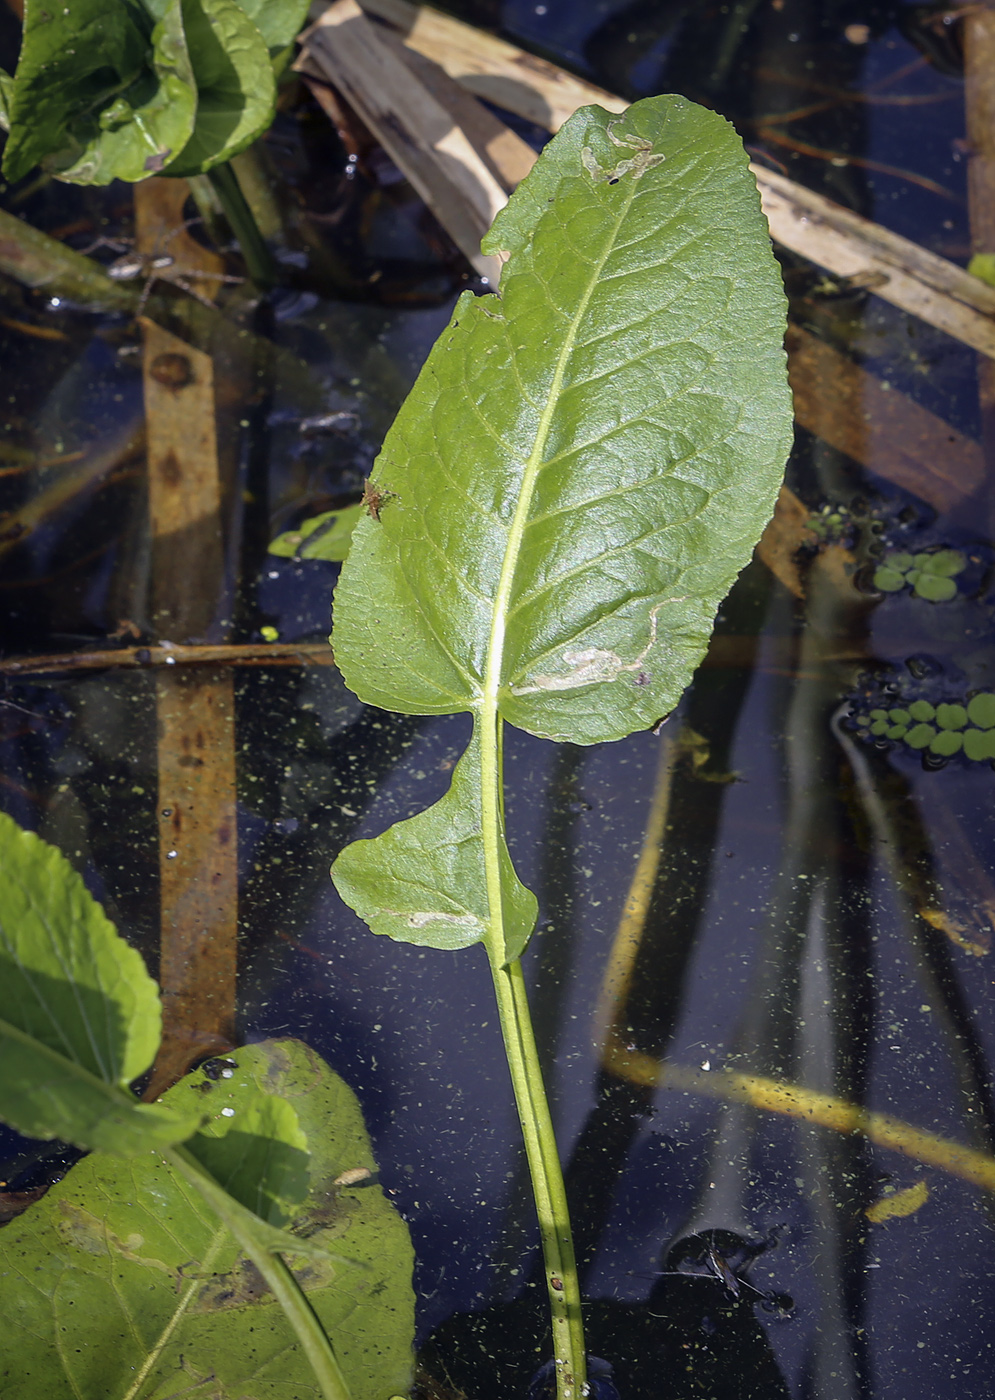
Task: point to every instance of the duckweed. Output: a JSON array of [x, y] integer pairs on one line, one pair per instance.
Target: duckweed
[[930, 576], [981, 710], [922, 710], [979, 744], [920, 736], [944, 729]]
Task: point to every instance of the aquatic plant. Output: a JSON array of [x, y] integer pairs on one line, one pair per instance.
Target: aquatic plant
[[569, 491], [114, 90], [943, 729], [125, 89], [146, 1265], [929, 574]]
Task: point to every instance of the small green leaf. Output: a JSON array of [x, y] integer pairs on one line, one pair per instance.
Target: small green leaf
[[979, 744], [923, 710], [900, 562], [920, 736], [983, 265], [899, 716], [236, 90], [122, 1266], [100, 93], [79, 1014], [879, 714], [326, 536], [879, 728], [896, 731], [981, 710], [945, 563], [936, 590], [946, 743], [424, 880], [951, 716], [888, 580]]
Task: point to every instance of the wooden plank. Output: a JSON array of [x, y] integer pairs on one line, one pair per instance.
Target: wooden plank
[[491, 68], [900, 272], [978, 36], [897, 270], [419, 134], [198, 866], [507, 156], [884, 430]]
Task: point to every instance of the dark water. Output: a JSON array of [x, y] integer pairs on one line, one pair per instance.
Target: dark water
[[818, 908]]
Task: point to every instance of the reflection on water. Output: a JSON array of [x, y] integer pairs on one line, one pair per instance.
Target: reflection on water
[[762, 978]]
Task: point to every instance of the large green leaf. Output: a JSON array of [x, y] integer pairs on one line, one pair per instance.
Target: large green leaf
[[123, 1274], [424, 880], [100, 92], [79, 1014], [236, 90], [587, 458], [278, 21], [582, 468]]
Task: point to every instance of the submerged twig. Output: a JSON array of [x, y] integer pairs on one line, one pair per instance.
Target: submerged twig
[[166, 654]]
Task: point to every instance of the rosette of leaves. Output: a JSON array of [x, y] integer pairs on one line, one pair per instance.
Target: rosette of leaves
[[942, 730], [929, 575], [125, 89]]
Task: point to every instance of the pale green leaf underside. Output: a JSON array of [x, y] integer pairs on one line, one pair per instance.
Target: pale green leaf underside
[[423, 881], [587, 460], [325, 536], [123, 1267]]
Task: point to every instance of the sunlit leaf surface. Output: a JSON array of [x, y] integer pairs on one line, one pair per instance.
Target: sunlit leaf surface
[[101, 92]]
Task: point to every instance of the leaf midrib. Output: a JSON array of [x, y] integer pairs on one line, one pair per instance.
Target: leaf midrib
[[533, 465]]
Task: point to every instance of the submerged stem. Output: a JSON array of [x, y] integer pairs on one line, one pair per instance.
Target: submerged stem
[[548, 1187], [258, 258]]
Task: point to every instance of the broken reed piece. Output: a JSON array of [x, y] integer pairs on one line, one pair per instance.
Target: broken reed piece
[[898, 270], [143, 658], [421, 136]]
